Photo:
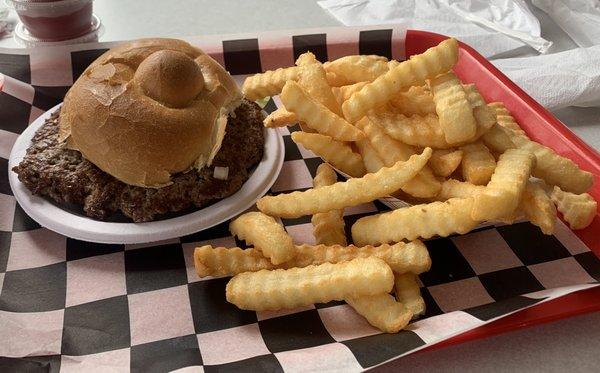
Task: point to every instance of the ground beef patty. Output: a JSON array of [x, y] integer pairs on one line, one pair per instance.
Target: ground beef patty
[[49, 169]]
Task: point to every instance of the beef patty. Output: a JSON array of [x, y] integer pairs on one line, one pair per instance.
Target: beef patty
[[49, 169]]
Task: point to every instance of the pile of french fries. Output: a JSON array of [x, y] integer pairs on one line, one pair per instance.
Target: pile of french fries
[[408, 129]]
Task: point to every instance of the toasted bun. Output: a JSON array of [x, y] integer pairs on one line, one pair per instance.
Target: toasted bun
[[148, 109]]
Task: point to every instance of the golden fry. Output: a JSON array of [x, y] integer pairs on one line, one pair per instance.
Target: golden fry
[[485, 116], [382, 311], [428, 65], [409, 294], [478, 163], [503, 193], [556, 169], [335, 80], [424, 185], [473, 96], [357, 68], [389, 149], [453, 109], [578, 209], [538, 208], [535, 204], [417, 100], [343, 194], [444, 162], [317, 116], [221, 261], [306, 58], [553, 168], [269, 83], [402, 257], [504, 119], [425, 221], [414, 130], [337, 153], [452, 188], [289, 288], [314, 80], [497, 140], [265, 234], [371, 159], [344, 92], [280, 118], [328, 227]]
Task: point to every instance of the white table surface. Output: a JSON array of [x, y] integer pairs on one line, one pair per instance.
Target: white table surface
[[569, 345]]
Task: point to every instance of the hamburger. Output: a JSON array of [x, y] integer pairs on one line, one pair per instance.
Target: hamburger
[[151, 127]]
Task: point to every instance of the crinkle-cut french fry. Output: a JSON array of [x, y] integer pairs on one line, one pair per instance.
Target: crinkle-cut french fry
[[325, 176], [473, 96], [337, 153], [393, 63], [315, 115], [497, 139], [444, 162], [504, 119], [305, 128], [414, 130], [434, 61], [538, 207], [578, 209], [535, 204], [280, 118], [335, 80], [344, 194], [555, 169], [452, 188], [424, 185], [344, 92], [408, 293], [503, 193], [454, 110], [477, 164], [269, 83], [382, 311], [416, 100], [358, 68], [221, 261], [306, 58], [289, 288], [313, 79], [485, 116], [328, 227], [427, 220], [390, 150], [265, 233], [402, 257], [371, 159]]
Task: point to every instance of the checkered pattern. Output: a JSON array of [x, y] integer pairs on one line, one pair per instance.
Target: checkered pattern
[[70, 305]]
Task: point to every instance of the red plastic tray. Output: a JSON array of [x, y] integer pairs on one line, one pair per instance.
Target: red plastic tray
[[546, 129]]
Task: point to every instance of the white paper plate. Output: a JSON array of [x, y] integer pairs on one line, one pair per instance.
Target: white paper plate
[[80, 227]]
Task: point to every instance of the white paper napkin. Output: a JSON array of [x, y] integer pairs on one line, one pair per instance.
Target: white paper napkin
[[493, 27], [580, 19], [5, 26], [570, 78]]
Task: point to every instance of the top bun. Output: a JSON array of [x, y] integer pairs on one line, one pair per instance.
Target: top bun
[[148, 109]]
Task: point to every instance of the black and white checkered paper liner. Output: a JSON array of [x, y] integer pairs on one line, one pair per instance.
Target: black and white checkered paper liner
[[72, 305]]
